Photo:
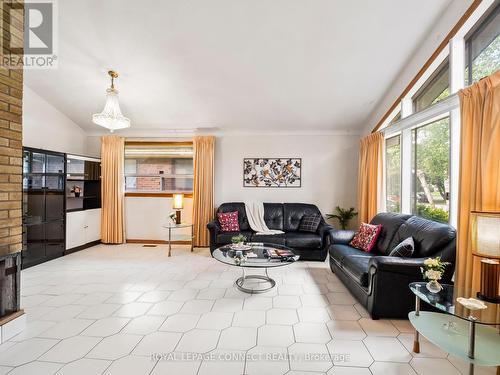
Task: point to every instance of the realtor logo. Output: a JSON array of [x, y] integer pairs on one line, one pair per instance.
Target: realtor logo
[[38, 47], [38, 28]]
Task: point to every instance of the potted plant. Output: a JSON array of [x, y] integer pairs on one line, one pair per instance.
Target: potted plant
[[343, 215], [76, 190], [238, 240]]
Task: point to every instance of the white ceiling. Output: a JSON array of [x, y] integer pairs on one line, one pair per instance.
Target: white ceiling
[[281, 65]]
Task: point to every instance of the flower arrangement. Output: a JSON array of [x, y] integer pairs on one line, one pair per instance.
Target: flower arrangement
[[433, 270]]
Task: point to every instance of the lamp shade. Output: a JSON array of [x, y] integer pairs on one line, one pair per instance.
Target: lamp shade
[[485, 235], [178, 201]]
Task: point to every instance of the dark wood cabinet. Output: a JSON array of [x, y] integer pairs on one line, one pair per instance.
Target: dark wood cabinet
[[44, 205]]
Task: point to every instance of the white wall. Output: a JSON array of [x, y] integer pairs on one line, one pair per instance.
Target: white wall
[[329, 178], [329, 172], [47, 128], [144, 217], [441, 28]]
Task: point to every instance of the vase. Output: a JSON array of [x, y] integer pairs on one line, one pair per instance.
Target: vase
[[433, 286]]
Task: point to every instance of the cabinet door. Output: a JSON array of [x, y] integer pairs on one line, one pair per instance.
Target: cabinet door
[[54, 239], [93, 224], [75, 229], [34, 251]]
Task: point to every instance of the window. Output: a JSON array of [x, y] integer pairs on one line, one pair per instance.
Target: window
[[393, 174], [430, 172], [483, 49], [158, 167], [435, 89]]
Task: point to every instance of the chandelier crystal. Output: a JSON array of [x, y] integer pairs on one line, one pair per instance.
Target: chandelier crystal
[[111, 116]]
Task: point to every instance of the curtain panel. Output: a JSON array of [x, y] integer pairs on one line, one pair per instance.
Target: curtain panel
[[203, 188], [369, 179], [112, 218], [479, 170]]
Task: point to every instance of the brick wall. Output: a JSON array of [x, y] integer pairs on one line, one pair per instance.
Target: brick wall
[[11, 93]]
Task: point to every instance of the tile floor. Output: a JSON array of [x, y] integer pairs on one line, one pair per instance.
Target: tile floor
[[132, 310]]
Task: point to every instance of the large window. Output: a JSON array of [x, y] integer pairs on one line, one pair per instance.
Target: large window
[[158, 167], [483, 49], [435, 89], [430, 172], [393, 174]]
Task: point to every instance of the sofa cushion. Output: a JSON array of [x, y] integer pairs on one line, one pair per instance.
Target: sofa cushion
[[228, 221], [242, 215], [309, 223], [224, 238], [366, 237], [390, 224], [273, 215], [429, 236], [293, 213], [278, 239], [404, 250], [303, 240]]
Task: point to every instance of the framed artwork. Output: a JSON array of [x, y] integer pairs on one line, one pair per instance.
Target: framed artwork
[[272, 172]]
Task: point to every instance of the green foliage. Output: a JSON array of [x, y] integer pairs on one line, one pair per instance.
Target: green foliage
[[238, 239], [433, 153], [432, 213], [343, 215]]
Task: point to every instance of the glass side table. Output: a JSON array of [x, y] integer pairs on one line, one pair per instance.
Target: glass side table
[[171, 227], [473, 336]]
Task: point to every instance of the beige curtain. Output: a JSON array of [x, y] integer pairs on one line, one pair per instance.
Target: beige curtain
[[369, 175], [479, 169], [203, 188], [112, 159]]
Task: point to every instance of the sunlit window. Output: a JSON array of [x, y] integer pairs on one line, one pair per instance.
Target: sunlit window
[[393, 174]]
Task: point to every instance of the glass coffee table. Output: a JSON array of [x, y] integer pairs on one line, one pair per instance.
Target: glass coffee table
[[242, 258], [473, 336]]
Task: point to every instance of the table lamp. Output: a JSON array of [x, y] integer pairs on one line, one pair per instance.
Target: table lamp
[[178, 205], [485, 243]]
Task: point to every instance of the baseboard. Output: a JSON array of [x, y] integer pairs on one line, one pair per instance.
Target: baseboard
[[157, 242], [82, 247]]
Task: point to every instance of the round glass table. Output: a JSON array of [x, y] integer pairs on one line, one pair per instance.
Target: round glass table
[[472, 335], [256, 255]]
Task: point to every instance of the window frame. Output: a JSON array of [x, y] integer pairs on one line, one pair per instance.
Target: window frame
[[480, 25], [433, 78], [156, 194]]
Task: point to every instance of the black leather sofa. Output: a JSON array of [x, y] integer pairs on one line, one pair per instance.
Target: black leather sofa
[[380, 282], [282, 216]]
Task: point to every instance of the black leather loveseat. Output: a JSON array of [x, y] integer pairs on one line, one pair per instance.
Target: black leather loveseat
[[380, 282], [282, 216]]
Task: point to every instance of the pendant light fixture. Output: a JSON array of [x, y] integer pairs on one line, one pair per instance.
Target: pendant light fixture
[[111, 116]]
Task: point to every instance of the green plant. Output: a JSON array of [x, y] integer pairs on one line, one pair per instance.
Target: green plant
[[238, 239], [343, 215], [432, 213]]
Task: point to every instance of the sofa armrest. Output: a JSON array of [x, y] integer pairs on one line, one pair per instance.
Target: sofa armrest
[[324, 230], [342, 237], [213, 226], [407, 266]]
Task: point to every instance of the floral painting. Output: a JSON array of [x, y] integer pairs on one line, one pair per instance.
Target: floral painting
[[267, 172]]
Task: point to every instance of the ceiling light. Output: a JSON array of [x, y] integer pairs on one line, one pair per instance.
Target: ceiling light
[[111, 116]]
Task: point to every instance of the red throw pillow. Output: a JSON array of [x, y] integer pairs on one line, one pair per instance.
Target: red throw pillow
[[366, 237], [229, 221]]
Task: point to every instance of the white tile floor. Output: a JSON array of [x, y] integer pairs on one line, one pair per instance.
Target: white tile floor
[[125, 309]]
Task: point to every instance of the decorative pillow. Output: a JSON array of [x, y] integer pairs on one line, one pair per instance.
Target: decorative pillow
[[229, 221], [309, 223], [366, 237], [404, 249]]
